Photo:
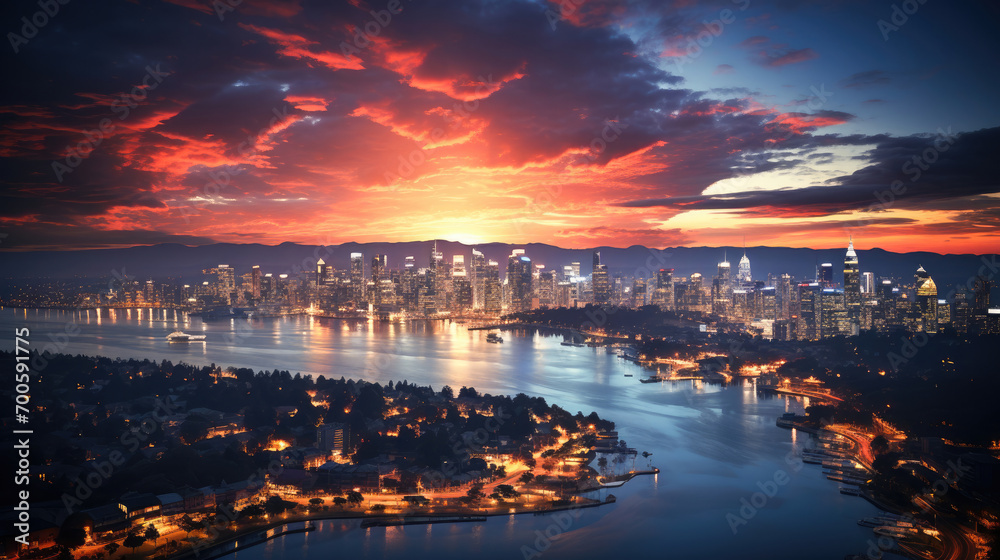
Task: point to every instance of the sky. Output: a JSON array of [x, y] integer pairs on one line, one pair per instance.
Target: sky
[[579, 123]]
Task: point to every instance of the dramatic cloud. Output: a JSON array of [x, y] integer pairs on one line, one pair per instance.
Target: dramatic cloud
[[581, 123]]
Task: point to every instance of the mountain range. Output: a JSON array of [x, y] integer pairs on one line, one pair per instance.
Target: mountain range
[[186, 262]]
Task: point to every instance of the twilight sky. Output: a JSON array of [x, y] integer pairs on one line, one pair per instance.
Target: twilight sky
[[585, 123]]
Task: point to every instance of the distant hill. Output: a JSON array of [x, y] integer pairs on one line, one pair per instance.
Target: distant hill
[[183, 262]]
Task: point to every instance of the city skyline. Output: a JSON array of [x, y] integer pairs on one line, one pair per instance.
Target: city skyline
[[572, 123]]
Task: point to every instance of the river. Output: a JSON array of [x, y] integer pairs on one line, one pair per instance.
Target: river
[[718, 448]]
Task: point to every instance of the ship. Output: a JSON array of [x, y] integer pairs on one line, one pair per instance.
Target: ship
[[180, 336], [494, 337]]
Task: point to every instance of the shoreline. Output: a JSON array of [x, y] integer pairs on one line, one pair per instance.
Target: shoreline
[[464, 517]]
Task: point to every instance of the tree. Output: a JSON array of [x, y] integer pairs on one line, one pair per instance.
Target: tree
[[112, 548], [151, 534], [339, 500], [602, 462], [354, 497], [71, 536], [133, 540], [447, 392], [475, 493], [316, 501], [275, 505], [507, 491], [188, 524], [378, 508], [527, 477]]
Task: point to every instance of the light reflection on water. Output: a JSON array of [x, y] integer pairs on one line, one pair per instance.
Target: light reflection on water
[[713, 444]]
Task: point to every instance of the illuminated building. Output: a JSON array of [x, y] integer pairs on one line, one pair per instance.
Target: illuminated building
[[478, 279], [638, 292], [599, 280], [461, 286], [927, 301], [852, 288], [663, 295], [358, 276], [492, 290], [519, 273]]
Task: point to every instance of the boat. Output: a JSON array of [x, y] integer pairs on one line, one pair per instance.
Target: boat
[[574, 344], [494, 338], [654, 379], [180, 336]]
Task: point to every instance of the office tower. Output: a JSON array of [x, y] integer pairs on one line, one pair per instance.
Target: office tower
[[742, 305], [477, 274], [926, 302], [574, 270], [981, 288], [546, 288], [638, 292], [767, 303], [809, 311], [943, 314], [492, 289], [255, 277], [963, 312], [333, 437], [724, 271], [519, 271], [358, 276], [379, 266], [832, 318], [663, 295], [461, 285], [223, 283], [783, 296], [743, 275], [868, 283], [599, 280], [695, 293], [824, 275], [321, 272], [852, 288]]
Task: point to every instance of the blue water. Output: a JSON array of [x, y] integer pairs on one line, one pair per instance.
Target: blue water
[[715, 446]]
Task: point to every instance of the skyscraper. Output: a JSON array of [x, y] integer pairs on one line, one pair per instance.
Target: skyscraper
[[663, 295], [852, 288], [358, 276], [379, 265], [477, 274], [824, 275], [927, 301], [255, 277], [519, 271], [599, 280], [743, 276], [461, 287], [492, 290]]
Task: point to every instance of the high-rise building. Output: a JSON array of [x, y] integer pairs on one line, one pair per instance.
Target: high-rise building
[[663, 295], [810, 311], [824, 275], [519, 274], [492, 289], [852, 288], [638, 292], [743, 275], [832, 318], [461, 286], [599, 281], [255, 277], [358, 276], [223, 283], [868, 283], [477, 275], [926, 301]]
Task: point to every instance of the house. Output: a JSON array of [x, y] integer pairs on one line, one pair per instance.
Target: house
[[139, 507]]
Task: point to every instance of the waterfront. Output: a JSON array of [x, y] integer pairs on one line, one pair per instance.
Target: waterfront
[[714, 445]]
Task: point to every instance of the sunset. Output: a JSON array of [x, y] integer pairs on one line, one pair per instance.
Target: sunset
[[579, 124]]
